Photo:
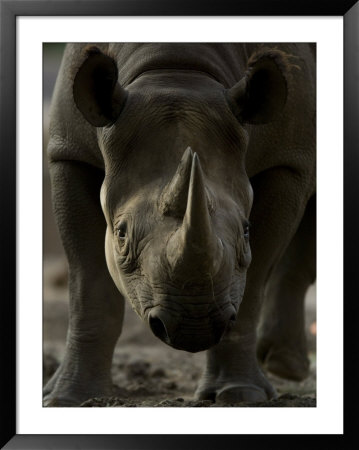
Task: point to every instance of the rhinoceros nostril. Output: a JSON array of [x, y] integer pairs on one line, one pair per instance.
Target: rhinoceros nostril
[[233, 318], [158, 328]]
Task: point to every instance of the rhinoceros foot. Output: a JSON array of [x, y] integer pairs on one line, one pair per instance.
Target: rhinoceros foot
[[64, 390], [241, 393], [236, 392], [290, 362], [232, 389], [51, 401], [72, 396], [232, 373]]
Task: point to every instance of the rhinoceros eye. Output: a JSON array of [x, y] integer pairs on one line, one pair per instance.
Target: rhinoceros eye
[[246, 227], [121, 231]]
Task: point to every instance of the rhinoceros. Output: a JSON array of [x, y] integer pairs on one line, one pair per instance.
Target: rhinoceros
[[183, 179]]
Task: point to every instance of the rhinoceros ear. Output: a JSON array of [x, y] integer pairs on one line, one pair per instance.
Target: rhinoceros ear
[[262, 92], [96, 92]]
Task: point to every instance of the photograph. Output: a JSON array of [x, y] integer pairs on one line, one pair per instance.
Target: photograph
[[179, 224]]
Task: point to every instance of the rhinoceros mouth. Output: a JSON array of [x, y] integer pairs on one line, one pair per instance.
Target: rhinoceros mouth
[[190, 332]]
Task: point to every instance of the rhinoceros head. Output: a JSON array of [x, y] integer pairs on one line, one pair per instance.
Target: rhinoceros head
[[176, 195]]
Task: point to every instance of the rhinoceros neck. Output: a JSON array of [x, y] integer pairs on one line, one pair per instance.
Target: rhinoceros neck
[[222, 61]]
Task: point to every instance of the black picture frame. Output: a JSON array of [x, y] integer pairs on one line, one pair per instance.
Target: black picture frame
[[9, 10]]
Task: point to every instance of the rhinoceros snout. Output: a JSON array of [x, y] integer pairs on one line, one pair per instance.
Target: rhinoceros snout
[[189, 335]]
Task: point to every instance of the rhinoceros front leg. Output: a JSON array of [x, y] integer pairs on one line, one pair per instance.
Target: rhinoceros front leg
[[96, 307], [282, 346], [232, 371]]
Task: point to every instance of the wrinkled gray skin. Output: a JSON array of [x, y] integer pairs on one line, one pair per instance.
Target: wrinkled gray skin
[[163, 168]]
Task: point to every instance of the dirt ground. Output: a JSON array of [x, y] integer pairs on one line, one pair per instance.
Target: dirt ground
[[146, 372]]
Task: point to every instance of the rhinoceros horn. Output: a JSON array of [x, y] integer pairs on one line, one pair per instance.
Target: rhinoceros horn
[[174, 197], [194, 249]]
